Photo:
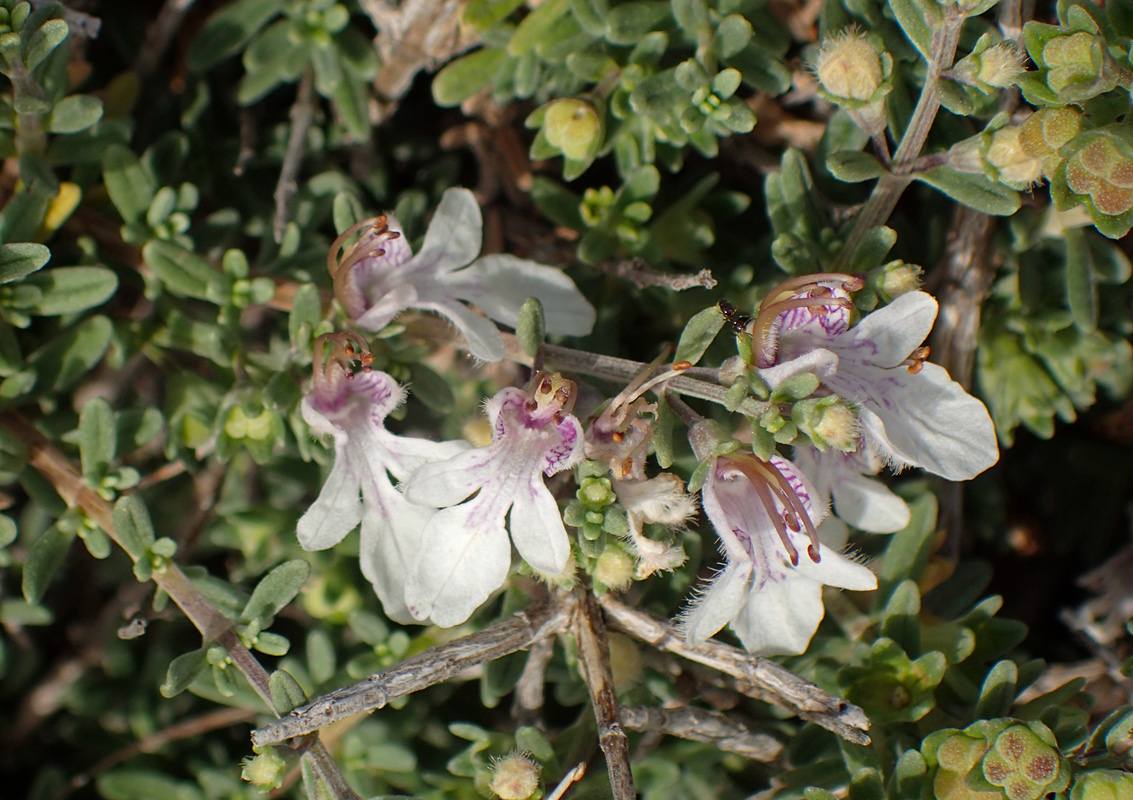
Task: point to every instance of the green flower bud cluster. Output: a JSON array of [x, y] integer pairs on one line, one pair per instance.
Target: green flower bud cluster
[[265, 770], [1045, 133], [999, 758], [1074, 61], [595, 516], [893, 686]]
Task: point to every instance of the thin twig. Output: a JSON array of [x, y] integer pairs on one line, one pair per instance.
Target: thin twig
[[435, 665], [623, 370], [302, 115], [49, 462], [529, 691], [891, 185], [755, 677], [701, 725], [594, 658], [638, 272]]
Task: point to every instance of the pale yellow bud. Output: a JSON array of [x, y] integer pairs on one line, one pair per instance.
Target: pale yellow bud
[[1014, 166], [515, 776], [849, 68], [265, 771], [899, 278], [614, 569], [1000, 65], [838, 427]]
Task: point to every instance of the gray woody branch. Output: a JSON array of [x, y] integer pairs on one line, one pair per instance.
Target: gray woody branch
[[755, 677], [433, 666]]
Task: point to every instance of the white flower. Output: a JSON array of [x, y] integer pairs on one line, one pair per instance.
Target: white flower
[[863, 502], [379, 277], [352, 409], [465, 554], [911, 412], [770, 589]]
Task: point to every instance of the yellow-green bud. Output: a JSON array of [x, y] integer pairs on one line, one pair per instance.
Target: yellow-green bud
[[849, 68], [898, 278], [1012, 164], [1000, 65], [573, 127], [615, 568], [515, 776], [266, 770], [829, 422]]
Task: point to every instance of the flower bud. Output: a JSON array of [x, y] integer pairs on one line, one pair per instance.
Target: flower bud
[[898, 278], [615, 568], [1007, 161], [572, 126], [515, 776], [265, 770], [829, 422], [849, 68], [996, 67], [1046, 132]]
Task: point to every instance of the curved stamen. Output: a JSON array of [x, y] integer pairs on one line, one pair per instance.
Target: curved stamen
[[761, 327], [789, 512], [335, 355], [341, 259], [785, 297]]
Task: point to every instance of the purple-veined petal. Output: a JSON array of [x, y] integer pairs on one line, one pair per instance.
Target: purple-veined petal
[[891, 333], [781, 618], [567, 451], [464, 557], [818, 362], [718, 603], [925, 419], [454, 235], [499, 284], [537, 528]]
